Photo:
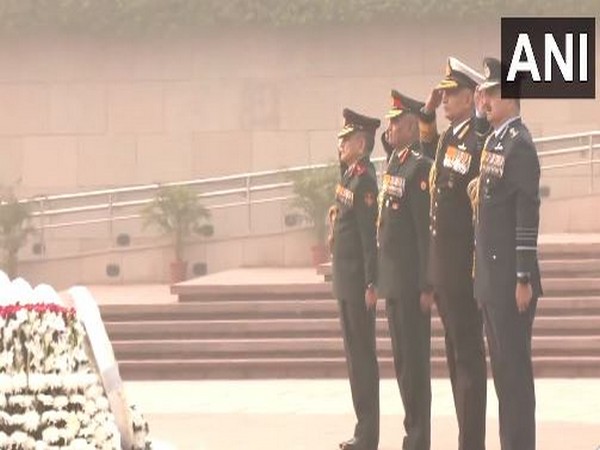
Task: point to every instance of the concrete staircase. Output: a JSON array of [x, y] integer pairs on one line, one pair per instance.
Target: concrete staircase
[[294, 332]]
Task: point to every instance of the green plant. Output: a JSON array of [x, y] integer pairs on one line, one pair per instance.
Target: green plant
[[314, 190], [177, 212], [15, 227]]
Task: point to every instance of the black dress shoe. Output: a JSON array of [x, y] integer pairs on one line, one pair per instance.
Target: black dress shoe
[[350, 444], [355, 444]]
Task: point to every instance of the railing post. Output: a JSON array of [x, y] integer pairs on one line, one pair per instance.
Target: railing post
[[591, 150], [248, 204], [42, 227], [110, 220]]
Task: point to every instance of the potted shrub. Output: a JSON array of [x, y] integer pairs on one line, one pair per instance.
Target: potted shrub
[[177, 212], [314, 189], [15, 227]]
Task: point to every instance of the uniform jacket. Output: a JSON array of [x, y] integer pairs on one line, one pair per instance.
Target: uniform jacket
[[354, 232], [403, 224], [506, 228], [457, 160]]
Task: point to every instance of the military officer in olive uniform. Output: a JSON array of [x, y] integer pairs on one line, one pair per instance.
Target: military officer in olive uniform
[[457, 152], [355, 272], [507, 276], [403, 234]]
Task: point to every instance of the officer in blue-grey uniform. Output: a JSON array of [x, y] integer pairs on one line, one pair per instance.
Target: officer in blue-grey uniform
[[403, 234], [355, 272], [507, 276], [457, 152]]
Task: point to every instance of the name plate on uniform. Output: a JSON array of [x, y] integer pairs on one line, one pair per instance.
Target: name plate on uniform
[[492, 164], [394, 185], [344, 196], [457, 160]]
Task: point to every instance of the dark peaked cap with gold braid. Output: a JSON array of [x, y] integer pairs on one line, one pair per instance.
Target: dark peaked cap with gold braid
[[402, 103], [354, 121]]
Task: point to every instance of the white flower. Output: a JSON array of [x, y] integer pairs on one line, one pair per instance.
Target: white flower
[[83, 418], [5, 383], [25, 401], [2, 401], [37, 382], [51, 435], [86, 431], [19, 438], [72, 425], [21, 315], [62, 415], [80, 444], [108, 445], [31, 421], [6, 358], [61, 401], [41, 445], [90, 407], [3, 439], [77, 399], [57, 323], [50, 363], [49, 417], [102, 403], [45, 399], [19, 382], [29, 443], [94, 391], [100, 435], [5, 419], [78, 381], [17, 420], [102, 418], [47, 337]]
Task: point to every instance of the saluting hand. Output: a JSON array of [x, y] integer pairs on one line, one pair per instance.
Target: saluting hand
[[523, 295], [433, 101], [370, 297]]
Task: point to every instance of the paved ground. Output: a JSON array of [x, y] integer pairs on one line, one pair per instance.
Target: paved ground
[[316, 414]]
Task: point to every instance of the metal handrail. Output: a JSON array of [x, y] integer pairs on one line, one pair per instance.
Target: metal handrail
[[245, 185], [568, 165], [563, 137]]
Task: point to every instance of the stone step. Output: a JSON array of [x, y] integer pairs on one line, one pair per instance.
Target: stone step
[[315, 347], [319, 327], [264, 309], [552, 264], [560, 287], [197, 369], [568, 249], [561, 283], [578, 268]]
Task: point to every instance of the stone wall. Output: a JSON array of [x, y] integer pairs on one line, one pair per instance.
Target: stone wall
[[79, 114]]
